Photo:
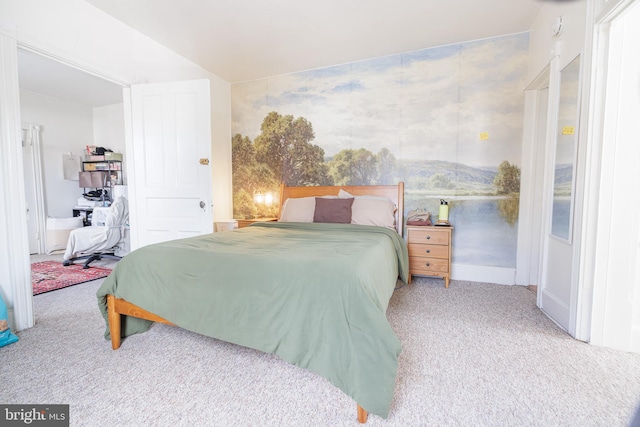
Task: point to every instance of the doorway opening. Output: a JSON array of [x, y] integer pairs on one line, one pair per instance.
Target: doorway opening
[[63, 110]]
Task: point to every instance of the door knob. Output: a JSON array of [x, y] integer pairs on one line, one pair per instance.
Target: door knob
[[202, 204]]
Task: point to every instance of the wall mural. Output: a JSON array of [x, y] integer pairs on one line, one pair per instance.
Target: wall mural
[[447, 121]]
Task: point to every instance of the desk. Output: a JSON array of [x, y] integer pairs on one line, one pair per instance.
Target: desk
[[84, 212]]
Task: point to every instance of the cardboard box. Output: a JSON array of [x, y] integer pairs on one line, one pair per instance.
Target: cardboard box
[[112, 156]]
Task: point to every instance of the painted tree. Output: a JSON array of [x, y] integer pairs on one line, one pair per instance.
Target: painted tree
[[249, 177], [354, 167], [509, 209], [284, 146], [387, 167], [507, 181], [440, 181]]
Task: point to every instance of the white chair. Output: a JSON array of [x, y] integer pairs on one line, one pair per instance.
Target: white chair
[[96, 242]]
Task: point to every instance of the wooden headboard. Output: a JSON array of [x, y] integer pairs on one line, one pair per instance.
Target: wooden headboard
[[394, 192]]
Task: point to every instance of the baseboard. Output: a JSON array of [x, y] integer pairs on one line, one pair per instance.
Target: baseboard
[[477, 273]]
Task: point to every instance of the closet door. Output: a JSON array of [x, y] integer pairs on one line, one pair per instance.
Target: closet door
[[168, 160]]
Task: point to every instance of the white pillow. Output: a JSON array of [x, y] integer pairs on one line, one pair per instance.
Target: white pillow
[[344, 194], [299, 209], [371, 210]]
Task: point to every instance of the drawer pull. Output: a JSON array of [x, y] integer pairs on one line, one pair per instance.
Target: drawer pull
[[427, 264], [428, 237], [428, 251]]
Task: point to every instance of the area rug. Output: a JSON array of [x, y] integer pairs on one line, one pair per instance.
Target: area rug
[[48, 276]]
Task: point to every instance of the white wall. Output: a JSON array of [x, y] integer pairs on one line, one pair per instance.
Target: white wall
[[108, 130], [108, 127], [66, 128], [543, 45]]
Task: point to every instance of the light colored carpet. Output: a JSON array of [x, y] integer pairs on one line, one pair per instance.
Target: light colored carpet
[[474, 354]]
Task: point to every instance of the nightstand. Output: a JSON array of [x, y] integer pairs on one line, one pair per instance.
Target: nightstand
[[248, 222], [430, 251]]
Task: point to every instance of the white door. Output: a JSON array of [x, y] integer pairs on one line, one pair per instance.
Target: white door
[[168, 152], [30, 193], [558, 287]]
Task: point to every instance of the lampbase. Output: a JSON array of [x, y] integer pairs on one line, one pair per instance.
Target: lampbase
[[442, 223]]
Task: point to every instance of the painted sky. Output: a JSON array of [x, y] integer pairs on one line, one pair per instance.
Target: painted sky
[[430, 104]]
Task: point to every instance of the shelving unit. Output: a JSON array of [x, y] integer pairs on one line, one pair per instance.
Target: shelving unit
[[101, 174]]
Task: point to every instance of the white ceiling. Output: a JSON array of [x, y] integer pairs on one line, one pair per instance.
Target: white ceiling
[[42, 75], [241, 40]]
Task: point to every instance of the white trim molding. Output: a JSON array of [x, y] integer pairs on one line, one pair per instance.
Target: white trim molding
[[611, 253], [15, 268], [32, 132]]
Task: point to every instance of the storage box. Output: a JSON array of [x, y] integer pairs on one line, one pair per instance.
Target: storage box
[[93, 158], [112, 156]]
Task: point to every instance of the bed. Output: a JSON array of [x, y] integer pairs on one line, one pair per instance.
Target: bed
[[316, 293]]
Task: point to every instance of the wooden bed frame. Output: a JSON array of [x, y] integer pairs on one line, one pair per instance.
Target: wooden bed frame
[[117, 306]]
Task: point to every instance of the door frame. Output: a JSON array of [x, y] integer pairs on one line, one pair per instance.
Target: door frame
[[36, 164], [530, 224], [594, 270], [15, 266]]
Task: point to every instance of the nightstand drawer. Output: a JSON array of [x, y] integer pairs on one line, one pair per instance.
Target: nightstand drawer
[[429, 235], [432, 251], [429, 251], [420, 265]]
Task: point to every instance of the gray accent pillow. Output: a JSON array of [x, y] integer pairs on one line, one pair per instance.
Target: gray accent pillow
[[333, 210]]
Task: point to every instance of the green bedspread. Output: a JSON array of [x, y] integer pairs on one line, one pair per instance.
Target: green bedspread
[[314, 294]]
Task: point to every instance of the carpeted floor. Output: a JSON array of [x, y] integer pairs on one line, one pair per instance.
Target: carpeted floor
[[473, 355]]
